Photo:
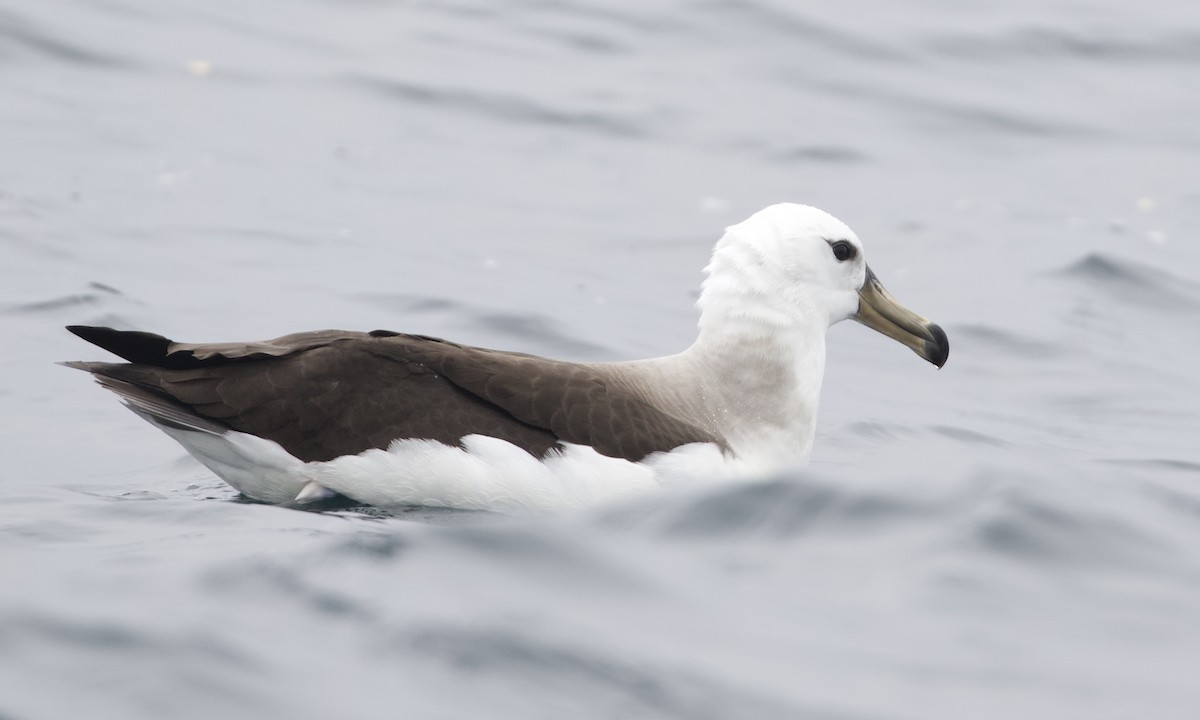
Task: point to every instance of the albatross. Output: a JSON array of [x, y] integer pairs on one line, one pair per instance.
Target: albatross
[[388, 418]]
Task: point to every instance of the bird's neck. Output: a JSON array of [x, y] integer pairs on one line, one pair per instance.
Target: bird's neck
[[762, 370]]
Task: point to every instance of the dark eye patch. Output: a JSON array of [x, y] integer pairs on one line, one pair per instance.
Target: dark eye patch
[[842, 250]]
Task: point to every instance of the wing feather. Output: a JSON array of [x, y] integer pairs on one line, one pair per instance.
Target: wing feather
[[331, 393]]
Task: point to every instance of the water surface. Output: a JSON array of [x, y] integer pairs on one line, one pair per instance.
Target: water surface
[[1012, 536]]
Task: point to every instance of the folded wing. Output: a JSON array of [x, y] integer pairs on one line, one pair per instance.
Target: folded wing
[[324, 394]]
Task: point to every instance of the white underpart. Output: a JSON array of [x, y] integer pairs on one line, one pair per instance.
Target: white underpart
[[484, 474], [257, 467]]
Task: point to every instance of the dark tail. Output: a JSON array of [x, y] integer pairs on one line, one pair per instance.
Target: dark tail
[[135, 346], [137, 384]]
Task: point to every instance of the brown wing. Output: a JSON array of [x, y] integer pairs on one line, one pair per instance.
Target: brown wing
[[330, 393], [578, 403]]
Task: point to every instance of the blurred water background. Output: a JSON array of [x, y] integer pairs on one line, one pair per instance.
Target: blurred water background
[[1014, 536]]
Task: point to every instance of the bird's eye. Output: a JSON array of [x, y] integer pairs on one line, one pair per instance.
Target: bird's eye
[[842, 250]]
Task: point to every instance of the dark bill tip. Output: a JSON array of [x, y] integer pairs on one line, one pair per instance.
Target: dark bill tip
[[881, 312], [937, 351]]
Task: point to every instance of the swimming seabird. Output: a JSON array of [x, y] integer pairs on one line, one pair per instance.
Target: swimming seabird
[[388, 418]]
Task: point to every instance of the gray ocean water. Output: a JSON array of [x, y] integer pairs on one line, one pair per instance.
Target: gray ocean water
[[1014, 536]]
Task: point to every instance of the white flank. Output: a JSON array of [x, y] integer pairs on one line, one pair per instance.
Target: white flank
[[484, 474], [256, 467]]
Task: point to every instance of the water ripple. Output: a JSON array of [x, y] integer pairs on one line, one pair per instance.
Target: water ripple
[[117, 638], [100, 294], [275, 580], [1129, 281], [18, 33], [762, 18], [1050, 43], [1032, 529], [507, 108], [992, 120], [615, 687], [539, 330], [788, 507], [1008, 341]]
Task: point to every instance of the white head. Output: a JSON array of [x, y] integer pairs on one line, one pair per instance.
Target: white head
[[785, 264], [793, 267]]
